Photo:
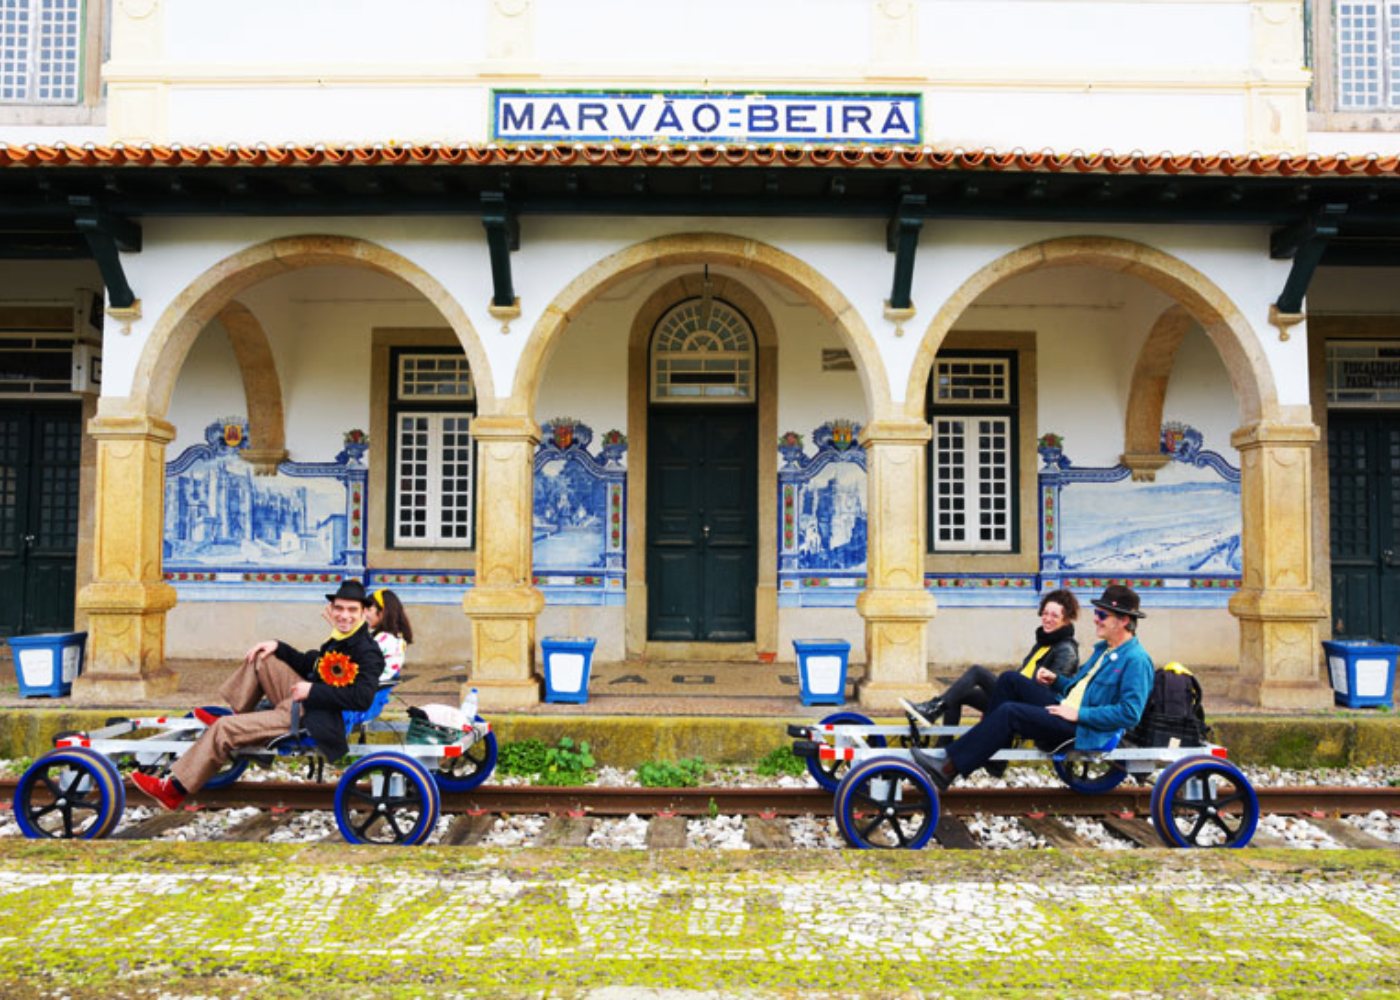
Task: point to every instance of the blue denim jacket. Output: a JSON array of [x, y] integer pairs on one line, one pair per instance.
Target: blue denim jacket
[[1115, 698]]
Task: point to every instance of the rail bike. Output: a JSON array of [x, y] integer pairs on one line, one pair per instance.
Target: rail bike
[[389, 793], [884, 799]]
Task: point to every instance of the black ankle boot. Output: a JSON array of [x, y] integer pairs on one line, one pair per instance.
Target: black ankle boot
[[940, 770]]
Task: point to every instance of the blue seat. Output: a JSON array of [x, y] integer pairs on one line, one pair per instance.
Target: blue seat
[[297, 740]]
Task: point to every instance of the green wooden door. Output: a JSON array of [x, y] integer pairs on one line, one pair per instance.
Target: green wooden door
[[40, 448], [1364, 462], [702, 524]]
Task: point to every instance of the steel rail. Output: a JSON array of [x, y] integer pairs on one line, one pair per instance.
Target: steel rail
[[596, 801]]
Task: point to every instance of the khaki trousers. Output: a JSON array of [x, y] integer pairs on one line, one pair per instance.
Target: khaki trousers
[[268, 678]]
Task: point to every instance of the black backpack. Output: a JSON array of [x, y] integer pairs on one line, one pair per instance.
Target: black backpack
[[1174, 715]]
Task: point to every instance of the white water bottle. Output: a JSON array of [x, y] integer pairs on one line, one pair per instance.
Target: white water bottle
[[469, 707]]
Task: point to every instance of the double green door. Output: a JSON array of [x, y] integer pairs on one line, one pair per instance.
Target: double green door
[[702, 524], [1364, 461], [40, 452]]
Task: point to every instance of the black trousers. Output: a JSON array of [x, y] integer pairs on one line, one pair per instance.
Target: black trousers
[[1017, 708], [972, 690]]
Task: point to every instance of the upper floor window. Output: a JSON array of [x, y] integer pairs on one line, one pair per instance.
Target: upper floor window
[[41, 51], [973, 502], [702, 352], [1367, 39]]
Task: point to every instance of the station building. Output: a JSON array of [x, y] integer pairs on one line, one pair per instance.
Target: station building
[[701, 329]]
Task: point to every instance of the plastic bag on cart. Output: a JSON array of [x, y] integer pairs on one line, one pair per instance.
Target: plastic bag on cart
[[436, 724], [1175, 715]]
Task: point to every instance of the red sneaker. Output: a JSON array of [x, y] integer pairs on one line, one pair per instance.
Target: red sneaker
[[205, 716], [163, 790]]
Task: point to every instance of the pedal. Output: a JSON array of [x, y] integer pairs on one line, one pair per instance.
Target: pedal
[[799, 732], [805, 748]]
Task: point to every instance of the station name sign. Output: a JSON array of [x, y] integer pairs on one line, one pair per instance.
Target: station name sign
[[694, 116]]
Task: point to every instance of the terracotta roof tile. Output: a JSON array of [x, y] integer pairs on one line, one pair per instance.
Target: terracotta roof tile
[[633, 154]]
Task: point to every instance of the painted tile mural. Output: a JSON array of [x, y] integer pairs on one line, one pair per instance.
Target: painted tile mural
[[220, 516], [823, 517], [579, 514], [1178, 534]]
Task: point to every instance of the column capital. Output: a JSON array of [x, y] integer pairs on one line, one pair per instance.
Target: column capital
[[895, 432], [131, 428], [1266, 432], [505, 427]]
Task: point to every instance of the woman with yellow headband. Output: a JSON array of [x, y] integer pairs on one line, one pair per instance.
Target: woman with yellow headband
[[389, 622]]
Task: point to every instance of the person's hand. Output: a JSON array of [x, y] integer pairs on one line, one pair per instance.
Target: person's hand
[[300, 690], [1044, 675], [1067, 712], [265, 648]]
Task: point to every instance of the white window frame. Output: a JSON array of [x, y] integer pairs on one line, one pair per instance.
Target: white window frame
[[425, 491], [33, 75], [698, 327], [984, 402]]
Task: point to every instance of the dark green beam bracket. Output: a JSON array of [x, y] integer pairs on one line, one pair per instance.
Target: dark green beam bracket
[[1305, 242], [502, 236], [107, 236], [902, 240]]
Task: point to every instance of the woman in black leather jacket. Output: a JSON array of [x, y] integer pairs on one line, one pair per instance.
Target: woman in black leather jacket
[[1055, 649]]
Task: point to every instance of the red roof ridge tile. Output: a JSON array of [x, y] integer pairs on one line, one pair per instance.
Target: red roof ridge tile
[[146, 154]]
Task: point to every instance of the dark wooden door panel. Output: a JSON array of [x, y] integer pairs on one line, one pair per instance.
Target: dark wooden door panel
[[1364, 487], [701, 524]]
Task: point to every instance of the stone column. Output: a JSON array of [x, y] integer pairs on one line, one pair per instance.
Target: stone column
[[127, 600], [1278, 606], [504, 603], [895, 604]]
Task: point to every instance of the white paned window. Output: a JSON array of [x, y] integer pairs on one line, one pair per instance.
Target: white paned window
[[433, 481], [702, 352], [1368, 52], [41, 51], [434, 376], [972, 484], [431, 489], [972, 455]]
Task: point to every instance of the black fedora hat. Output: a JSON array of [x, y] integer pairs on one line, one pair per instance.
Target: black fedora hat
[[1119, 600], [350, 590]]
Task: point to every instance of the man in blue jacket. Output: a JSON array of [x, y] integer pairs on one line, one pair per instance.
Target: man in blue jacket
[[1098, 702]]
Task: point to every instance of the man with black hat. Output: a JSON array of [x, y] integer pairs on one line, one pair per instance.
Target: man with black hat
[[343, 675], [1091, 706]]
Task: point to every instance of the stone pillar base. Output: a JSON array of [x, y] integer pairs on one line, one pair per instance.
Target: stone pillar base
[[1267, 693], [896, 646], [102, 688], [503, 645]]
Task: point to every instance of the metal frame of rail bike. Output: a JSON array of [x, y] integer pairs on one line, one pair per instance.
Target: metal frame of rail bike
[[884, 799], [389, 794]]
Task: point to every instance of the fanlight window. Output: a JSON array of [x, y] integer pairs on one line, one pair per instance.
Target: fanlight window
[[702, 352]]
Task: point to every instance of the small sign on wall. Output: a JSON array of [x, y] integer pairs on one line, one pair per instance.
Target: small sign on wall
[[693, 116]]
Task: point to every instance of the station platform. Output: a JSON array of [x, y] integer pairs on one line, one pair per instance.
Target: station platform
[[724, 713]]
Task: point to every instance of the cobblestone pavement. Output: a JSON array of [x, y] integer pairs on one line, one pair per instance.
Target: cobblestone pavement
[[258, 920]]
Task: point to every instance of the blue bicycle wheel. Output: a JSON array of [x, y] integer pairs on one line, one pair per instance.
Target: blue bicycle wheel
[[462, 774], [827, 773], [386, 798], [886, 803], [69, 794], [1204, 801]]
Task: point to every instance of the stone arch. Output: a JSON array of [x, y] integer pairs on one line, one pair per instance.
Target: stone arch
[[262, 388], [1201, 298], [1147, 394], [203, 299], [699, 249], [735, 292]]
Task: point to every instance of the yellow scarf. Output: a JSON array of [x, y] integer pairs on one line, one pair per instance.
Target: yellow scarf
[[339, 636], [1076, 693]]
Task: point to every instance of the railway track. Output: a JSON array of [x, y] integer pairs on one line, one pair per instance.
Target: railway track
[[569, 815]]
